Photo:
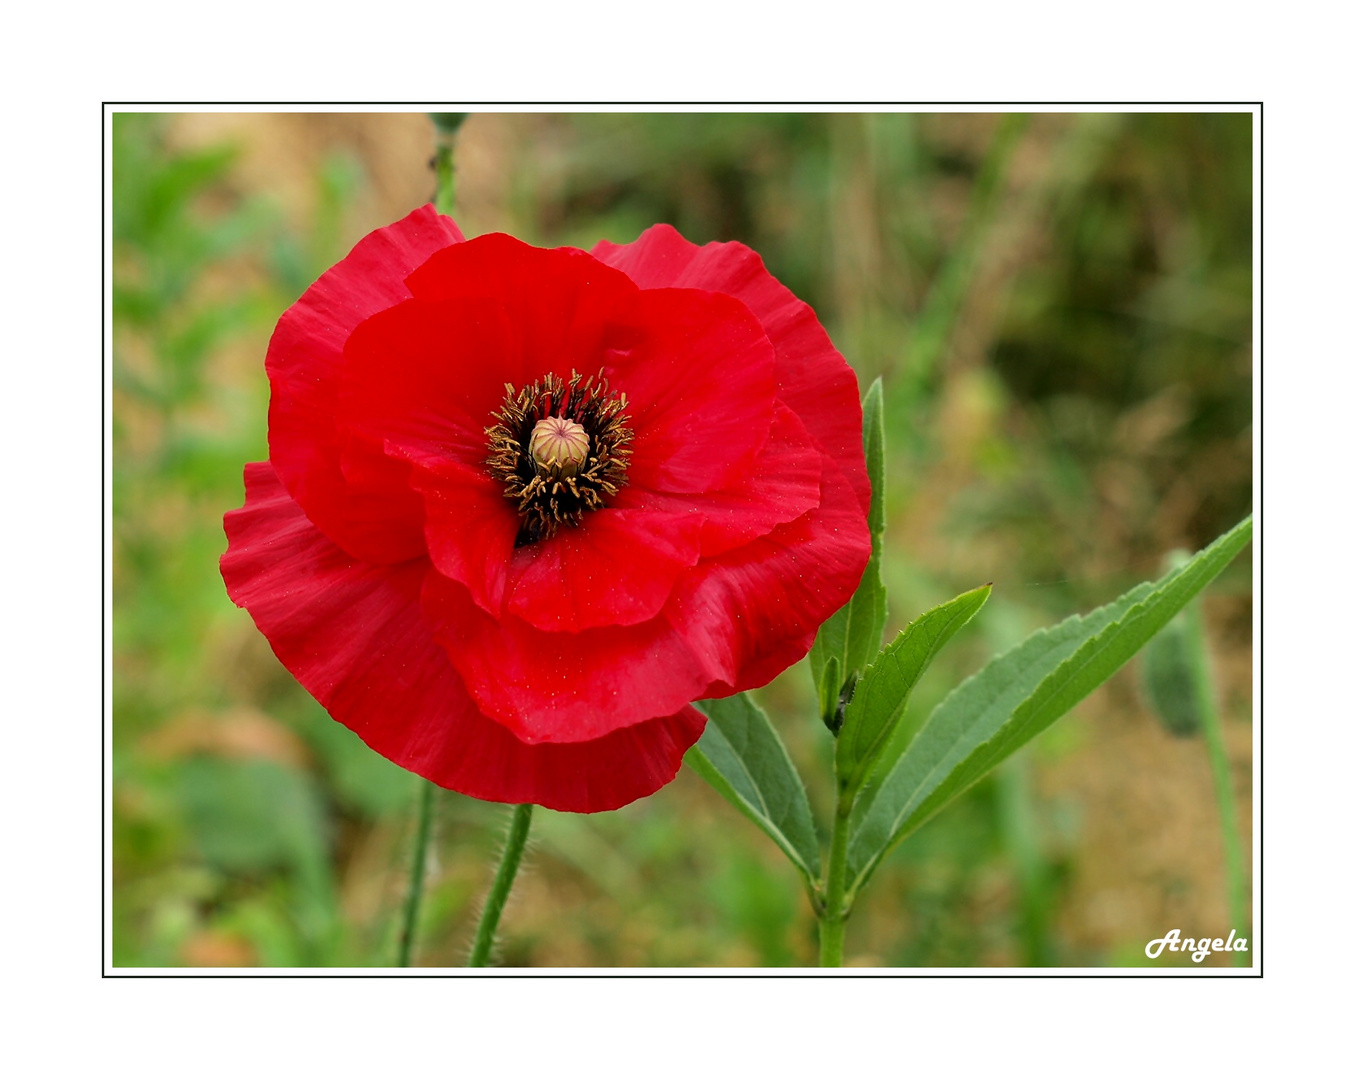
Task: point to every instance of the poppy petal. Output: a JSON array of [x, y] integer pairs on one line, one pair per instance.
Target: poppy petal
[[561, 687], [304, 362], [812, 378], [471, 528], [783, 484], [354, 636], [732, 623], [699, 388], [615, 569], [742, 611], [425, 375], [565, 309]]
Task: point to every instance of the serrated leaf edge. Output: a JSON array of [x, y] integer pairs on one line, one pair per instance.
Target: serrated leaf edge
[[905, 820]]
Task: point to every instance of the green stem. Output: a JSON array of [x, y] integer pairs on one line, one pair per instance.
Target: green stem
[[502, 885], [445, 177], [447, 124], [419, 865], [1233, 866], [1019, 826], [833, 917]]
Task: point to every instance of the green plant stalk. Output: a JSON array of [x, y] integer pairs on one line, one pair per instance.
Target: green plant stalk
[[445, 175], [833, 916], [1234, 869], [502, 885], [447, 124], [1019, 825], [413, 905]]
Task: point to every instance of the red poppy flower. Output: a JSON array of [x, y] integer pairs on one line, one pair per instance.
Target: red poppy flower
[[523, 506]]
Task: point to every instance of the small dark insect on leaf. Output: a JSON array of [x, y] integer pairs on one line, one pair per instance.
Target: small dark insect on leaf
[[835, 722]]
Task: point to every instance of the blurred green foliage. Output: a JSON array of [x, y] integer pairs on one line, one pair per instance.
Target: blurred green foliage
[[1061, 306], [228, 798]]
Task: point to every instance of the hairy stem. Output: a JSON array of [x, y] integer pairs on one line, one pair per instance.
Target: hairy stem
[[502, 885], [419, 863], [447, 124]]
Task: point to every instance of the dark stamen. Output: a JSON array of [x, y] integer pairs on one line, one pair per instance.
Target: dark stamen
[[548, 496]]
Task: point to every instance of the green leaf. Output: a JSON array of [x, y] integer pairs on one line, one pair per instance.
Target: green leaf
[[879, 701], [1016, 696], [741, 756], [829, 691], [853, 634]]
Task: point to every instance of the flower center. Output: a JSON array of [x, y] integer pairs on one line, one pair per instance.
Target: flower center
[[560, 449], [556, 441]]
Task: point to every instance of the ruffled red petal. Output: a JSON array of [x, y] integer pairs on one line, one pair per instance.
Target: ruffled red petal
[[754, 611], [696, 367], [732, 622], [304, 362], [782, 485], [561, 687], [616, 569], [699, 388], [471, 527], [812, 378], [562, 307], [488, 313], [421, 375], [353, 635]]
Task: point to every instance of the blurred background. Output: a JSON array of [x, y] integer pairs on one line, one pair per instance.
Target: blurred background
[[1061, 307]]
